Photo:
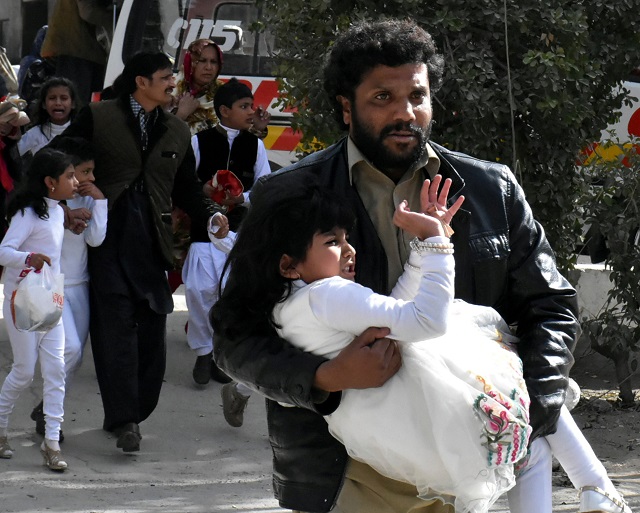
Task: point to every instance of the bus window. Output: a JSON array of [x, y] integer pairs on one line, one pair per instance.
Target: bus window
[[251, 51]]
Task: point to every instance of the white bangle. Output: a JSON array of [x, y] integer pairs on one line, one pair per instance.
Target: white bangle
[[421, 247]]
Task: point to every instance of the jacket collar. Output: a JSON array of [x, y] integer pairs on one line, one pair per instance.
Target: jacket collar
[[447, 170]]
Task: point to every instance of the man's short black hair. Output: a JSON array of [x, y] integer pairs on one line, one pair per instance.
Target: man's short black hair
[[229, 93], [142, 64], [366, 45]]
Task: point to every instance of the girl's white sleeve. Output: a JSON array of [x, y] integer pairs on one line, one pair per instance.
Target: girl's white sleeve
[[19, 231], [28, 141], [96, 230], [407, 285], [349, 307]]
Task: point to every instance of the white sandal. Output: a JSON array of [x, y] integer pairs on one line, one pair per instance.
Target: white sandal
[[596, 500], [53, 459]]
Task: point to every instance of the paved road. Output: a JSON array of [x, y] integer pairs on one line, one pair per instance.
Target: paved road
[[190, 460]]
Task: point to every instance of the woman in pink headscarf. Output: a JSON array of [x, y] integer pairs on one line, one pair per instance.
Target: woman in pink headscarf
[[196, 86], [198, 83]]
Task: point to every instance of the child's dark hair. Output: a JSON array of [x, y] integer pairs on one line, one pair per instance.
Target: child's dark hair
[[272, 228], [80, 150], [40, 114], [32, 190], [229, 93]]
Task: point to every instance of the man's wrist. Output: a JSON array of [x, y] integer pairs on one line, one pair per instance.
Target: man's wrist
[[324, 378]]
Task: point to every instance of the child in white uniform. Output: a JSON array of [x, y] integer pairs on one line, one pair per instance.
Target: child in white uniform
[[34, 238], [201, 271], [56, 107], [431, 424], [73, 264]]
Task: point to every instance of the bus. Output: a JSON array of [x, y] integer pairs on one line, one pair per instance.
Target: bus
[[624, 132], [170, 26]]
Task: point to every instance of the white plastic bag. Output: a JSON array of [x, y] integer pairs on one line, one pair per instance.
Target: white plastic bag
[[36, 304]]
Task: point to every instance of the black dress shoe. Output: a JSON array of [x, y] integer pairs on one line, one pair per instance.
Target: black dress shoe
[[217, 374], [129, 437], [202, 369], [37, 414]]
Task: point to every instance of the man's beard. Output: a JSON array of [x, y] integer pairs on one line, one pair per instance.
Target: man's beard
[[384, 159]]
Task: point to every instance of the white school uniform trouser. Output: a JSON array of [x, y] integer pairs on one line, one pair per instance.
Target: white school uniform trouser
[[573, 452], [27, 347], [75, 318], [201, 276], [533, 491]]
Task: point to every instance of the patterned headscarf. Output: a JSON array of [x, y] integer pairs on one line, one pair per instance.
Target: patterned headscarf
[[194, 53]]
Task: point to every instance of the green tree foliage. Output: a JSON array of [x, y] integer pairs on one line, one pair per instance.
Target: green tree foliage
[[526, 83], [615, 214]]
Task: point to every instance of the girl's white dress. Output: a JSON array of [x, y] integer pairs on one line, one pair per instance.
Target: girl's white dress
[[454, 420], [39, 136]]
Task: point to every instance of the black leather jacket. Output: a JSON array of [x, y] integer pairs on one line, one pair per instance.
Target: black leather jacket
[[502, 260]]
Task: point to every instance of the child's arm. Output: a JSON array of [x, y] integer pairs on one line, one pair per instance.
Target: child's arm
[[216, 228], [346, 305], [408, 283], [219, 234], [407, 286], [18, 232], [96, 229], [76, 220], [352, 308]]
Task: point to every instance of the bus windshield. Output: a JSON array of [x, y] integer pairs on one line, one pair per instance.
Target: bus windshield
[[170, 26]]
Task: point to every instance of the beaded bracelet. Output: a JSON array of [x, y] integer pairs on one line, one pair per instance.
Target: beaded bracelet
[[421, 247]]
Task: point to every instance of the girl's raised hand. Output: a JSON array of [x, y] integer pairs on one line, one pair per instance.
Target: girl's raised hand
[[435, 204], [435, 217], [417, 224]]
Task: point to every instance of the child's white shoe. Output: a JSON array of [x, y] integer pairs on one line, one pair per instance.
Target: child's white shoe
[[596, 500]]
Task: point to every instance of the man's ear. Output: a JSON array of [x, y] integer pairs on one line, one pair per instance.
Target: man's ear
[[346, 109], [224, 111], [141, 82], [287, 269]]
